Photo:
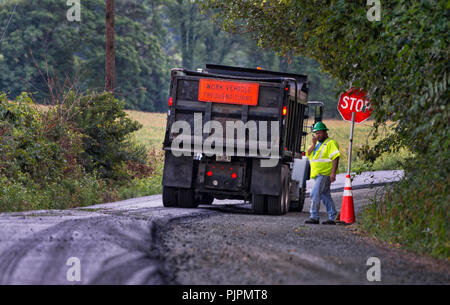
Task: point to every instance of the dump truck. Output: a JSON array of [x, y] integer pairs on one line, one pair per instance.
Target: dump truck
[[237, 133]]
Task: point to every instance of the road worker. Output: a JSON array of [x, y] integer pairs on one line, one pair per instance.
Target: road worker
[[323, 155]]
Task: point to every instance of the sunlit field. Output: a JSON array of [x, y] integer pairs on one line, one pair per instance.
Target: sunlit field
[[154, 127], [154, 124], [362, 135]]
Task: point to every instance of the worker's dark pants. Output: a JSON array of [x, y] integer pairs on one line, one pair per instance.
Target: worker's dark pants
[[321, 191]]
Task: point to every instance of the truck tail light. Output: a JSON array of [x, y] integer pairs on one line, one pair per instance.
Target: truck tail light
[[233, 175], [284, 112], [170, 101], [209, 173]]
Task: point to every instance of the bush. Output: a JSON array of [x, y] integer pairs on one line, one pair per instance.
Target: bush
[[74, 154], [31, 147], [106, 131], [147, 182], [413, 213], [67, 193]]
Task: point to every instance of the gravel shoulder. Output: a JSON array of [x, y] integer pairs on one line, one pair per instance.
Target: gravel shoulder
[[235, 247]]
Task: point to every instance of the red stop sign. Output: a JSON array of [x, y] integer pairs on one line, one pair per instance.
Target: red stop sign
[[354, 100]]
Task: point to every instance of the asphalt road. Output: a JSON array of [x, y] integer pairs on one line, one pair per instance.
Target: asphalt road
[[138, 241]]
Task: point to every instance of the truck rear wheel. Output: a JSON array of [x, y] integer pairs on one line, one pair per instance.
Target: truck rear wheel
[[259, 204], [279, 205], [186, 198], [297, 205], [205, 199], [274, 206], [170, 197], [301, 202]]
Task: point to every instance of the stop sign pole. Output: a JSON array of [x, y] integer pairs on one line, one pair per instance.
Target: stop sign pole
[[354, 107], [351, 144]]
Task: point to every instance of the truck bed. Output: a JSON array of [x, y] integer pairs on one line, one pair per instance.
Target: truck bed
[[275, 91]]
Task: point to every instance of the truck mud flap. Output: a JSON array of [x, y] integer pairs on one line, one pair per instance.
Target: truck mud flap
[[301, 171], [177, 171], [266, 180]]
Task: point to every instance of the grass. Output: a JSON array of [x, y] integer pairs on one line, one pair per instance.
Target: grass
[[148, 185], [339, 130], [154, 125], [412, 214], [151, 135]]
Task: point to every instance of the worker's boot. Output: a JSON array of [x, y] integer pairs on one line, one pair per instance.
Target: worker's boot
[[312, 221], [328, 222]]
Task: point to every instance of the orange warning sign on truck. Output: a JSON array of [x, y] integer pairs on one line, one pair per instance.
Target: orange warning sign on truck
[[228, 92]]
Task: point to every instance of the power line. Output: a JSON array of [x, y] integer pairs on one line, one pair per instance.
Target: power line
[[9, 21]]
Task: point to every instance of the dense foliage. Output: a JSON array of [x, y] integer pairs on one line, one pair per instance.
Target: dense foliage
[[73, 154], [42, 52], [412, 214], [105, 130], [401, 60]]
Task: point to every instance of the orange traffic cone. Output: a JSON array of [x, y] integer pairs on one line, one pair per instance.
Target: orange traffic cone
[[347, 214]]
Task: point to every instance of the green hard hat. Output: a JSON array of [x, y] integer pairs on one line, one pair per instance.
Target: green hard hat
[[319, 126]]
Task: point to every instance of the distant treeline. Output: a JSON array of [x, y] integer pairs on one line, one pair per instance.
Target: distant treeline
[[44, 53]]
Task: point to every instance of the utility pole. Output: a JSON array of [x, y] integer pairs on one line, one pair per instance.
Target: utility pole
[[110, 60]]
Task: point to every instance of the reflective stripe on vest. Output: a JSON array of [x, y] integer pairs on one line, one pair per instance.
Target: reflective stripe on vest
[[332, 154], [320, 160], [321, 153]]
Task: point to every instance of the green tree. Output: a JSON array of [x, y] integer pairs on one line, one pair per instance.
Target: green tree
[[198, 39], [43, 50], [37, 48], [106, 130], [141, 67], [185, 20], [404, 57], [402, 61]]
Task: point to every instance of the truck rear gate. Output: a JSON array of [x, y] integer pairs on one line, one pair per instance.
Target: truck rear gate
[[231, 167]]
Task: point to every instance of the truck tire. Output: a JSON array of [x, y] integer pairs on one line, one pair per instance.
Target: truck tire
[[279, 205], [205, 199], [297, 205], [259, 204], [274, 206], [170, 197], [186, 198], [301, 202]]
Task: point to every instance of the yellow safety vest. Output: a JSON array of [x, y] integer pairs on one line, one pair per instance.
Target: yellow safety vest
[[322, 156]]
